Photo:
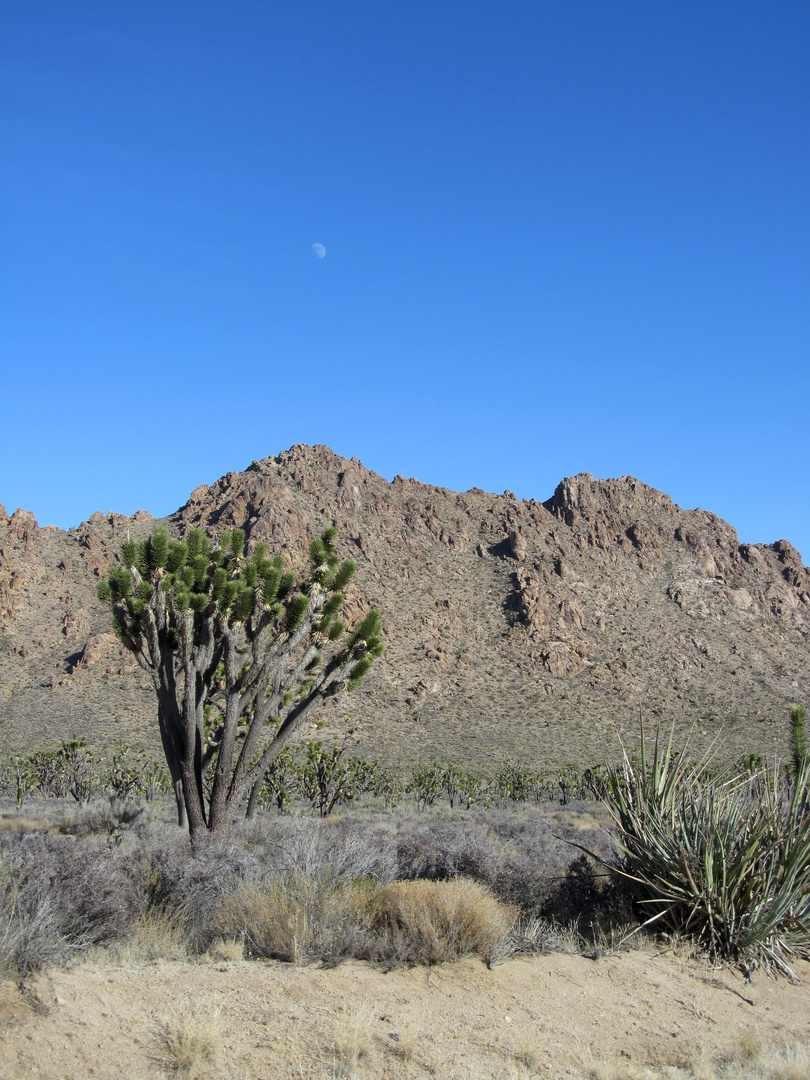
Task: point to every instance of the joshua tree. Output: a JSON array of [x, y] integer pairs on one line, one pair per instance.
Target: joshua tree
[[233, 646]]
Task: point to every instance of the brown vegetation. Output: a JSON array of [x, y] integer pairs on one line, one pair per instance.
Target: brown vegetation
[[514, 629]]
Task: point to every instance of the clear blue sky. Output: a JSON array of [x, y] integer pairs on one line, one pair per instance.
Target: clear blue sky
[[559, 237]]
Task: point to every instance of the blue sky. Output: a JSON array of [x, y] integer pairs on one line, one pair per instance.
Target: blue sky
[[560, 237]]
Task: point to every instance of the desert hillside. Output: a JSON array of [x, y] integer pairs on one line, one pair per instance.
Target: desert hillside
[[512, 628]]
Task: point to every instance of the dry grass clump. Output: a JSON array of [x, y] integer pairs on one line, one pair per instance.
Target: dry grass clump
[[527, 1053], [429, 922], [187, 1044], [226, 950], [752, 1060], [755, 1059], [156, 935], [302, 919], [20, 824], [296, 918], [353, 1041], [529, 936]]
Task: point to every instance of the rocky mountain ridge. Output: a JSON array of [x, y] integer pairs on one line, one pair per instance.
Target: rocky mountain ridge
[[513, 628]]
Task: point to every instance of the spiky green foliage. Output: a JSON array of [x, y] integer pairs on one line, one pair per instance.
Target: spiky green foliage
[[328, 775], [240, 652], [798, 739], [722, 859]]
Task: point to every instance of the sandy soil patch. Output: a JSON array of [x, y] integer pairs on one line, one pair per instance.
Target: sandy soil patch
[[551, 1016]]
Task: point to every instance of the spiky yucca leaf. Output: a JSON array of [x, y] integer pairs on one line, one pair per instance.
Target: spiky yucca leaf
[[798, 738], [296, 609], [271, 580], [724, 859], [333, 604], [368, 631], [197, 543], [242, 607], [120, 582], [360, 672], [176, 557], [129, 553], [317, 551], [344, 575], [286, 583], [158, 548]]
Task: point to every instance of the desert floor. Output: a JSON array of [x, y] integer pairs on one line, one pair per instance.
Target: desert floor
[[555, 1015]]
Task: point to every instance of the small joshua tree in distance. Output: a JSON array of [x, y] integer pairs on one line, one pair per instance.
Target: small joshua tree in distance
[[240, 653]]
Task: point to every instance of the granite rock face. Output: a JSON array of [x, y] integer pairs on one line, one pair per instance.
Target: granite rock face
[[512, 628]]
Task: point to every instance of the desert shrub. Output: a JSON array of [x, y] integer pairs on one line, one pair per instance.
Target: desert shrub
[[344, 848], [58, 898], [188, 886], [523, 858], [442, 849], [298, 918], [29, 929], [592, 899], [194, 887], [146, 892], [724, 860], [428, 922], [112, 816]]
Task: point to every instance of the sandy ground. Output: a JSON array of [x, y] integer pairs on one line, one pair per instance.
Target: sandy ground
[[551, 1016]]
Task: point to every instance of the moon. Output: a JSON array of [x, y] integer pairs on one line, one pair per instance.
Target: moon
[[319, 251]]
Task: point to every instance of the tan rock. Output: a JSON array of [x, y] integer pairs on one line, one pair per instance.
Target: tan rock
[[97, 648], [517, 545]]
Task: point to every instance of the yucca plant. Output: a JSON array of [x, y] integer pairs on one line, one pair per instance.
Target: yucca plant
[[723, 859]]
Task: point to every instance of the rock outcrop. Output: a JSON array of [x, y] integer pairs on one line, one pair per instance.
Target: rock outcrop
[[513, 628]]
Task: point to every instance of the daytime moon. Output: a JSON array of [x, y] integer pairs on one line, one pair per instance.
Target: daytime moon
[[319, 251]]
